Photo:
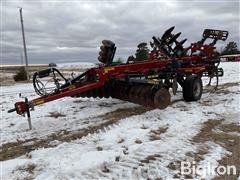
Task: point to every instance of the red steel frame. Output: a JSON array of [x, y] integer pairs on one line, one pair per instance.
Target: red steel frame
[[104, 74]]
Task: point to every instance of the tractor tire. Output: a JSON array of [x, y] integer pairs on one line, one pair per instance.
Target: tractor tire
[[192, 88]]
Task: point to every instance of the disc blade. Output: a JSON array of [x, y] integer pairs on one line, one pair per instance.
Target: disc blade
[[100, 92], [94, 93], [132, 93], [162, 98], [183, 41], [142, 95], [107, 43], [106, 91], [88, 94], [174, 38], [167, 33]]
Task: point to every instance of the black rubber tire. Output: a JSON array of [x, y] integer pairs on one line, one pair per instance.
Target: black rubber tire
[[192, 88]]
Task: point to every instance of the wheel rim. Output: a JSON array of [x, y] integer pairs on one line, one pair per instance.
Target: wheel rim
[[196, 89]]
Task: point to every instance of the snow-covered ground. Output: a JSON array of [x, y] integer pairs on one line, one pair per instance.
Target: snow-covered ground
[[76, 65], [112, 139]]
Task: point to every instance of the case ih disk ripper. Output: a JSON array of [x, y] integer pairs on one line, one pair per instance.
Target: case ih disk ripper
[[145, 82]]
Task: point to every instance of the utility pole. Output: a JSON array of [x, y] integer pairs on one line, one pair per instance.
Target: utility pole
[[21, 56], [24, 43]]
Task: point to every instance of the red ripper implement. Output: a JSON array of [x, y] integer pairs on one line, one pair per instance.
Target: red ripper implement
[[144, 81]]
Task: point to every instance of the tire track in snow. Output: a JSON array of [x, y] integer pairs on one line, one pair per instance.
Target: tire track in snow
[[16, 149], [133, 165], [151, 157], [215, 133]]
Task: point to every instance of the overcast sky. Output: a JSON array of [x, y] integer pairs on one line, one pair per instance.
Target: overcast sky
[[71, 31]]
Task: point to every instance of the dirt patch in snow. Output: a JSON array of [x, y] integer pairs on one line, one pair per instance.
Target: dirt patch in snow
[[28, 168], [25, 172], [56, 114], [6, 81], [225, 138], [203, 136], [16, 149], [155, 134], [206, 131], [231, 127], [151, 158], [225, 135], [222, 88], [231, 142]]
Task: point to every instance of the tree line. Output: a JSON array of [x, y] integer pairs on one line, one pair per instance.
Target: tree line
[[231, 48]]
